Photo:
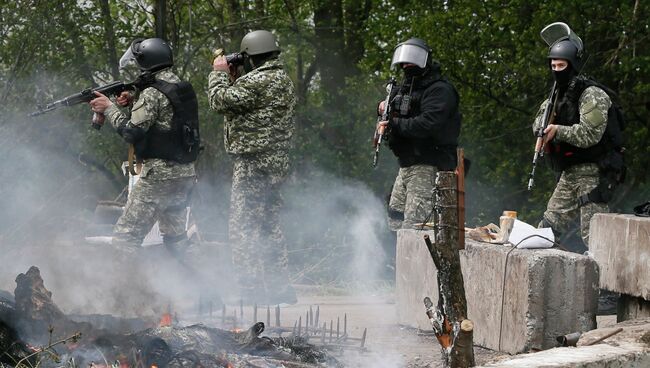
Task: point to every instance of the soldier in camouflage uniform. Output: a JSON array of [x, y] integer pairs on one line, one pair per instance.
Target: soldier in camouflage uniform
[[576, 141], [258, 110], [423, 133], [161, 193]]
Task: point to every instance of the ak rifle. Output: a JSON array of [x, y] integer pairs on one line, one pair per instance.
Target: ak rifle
[[380, 131], [547, 119], [88, 94]]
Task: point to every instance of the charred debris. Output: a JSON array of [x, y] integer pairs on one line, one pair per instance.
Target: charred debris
[[34, 332]]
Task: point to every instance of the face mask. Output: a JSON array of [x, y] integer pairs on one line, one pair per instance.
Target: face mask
[[413, 71], [248, 64], [563, 77]]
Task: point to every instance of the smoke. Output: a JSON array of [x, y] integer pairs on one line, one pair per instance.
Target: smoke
[[336, 230]]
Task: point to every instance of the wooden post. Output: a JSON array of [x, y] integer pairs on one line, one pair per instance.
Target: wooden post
[[460, 195], [449, 317]]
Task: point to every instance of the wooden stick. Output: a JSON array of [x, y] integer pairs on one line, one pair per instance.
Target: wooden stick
[[299, 325], [331, 328], [311, 316], [607, 336], [268, 315], [460, 197]]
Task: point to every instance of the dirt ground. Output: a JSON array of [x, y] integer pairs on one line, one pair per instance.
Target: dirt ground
[[387, 344]]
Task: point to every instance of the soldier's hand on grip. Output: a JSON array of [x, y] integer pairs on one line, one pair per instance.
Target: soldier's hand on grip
[[220, 64], [124, 99], [549, 133], [101, 103]]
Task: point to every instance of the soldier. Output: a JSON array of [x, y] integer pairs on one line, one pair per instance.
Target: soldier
[[578, 148], [161, 115], [258, 110], [422, 132]]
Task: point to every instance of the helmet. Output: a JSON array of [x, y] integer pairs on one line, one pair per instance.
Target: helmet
[[567, 50], [149, 54], [259, 42], [412, 51]]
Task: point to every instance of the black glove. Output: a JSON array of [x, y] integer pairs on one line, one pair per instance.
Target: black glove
[[131, 135]]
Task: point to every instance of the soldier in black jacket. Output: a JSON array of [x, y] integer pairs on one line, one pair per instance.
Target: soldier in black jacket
[[423, 130]]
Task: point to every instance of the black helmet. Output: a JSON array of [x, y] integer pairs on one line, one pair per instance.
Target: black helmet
[[567, 50], [412, 51], [151, 54]]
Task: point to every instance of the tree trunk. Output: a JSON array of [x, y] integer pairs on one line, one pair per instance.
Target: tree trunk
[[328, 19], [68, 21], [109, 36], [448, 319], [160, 14]]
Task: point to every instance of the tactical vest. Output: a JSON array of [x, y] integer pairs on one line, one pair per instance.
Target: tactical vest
[[439, 151], [563, 155], [181, 142]]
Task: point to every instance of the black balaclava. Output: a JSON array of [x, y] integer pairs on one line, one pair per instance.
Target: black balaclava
[[414, 71], [563, 77], [248, 64]]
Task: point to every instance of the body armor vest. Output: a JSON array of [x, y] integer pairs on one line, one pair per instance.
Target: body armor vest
[[563, 155], [181, 142], [439, 151]]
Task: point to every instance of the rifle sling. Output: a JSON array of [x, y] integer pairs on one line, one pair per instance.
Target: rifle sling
[[131, 158]]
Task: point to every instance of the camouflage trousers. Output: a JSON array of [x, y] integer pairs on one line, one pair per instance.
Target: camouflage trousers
[[412, 198], [258, 248], [563, 206], [153, 200]]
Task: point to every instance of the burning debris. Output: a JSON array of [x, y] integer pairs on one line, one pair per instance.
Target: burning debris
[[34, 317]]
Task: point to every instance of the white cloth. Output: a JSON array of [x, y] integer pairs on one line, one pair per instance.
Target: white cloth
[[521, 230]]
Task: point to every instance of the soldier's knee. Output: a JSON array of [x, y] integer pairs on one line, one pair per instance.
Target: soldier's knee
[[395, 219]]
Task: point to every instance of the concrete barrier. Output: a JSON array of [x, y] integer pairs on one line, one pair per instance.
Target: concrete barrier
[[620, 244], [547, 292]]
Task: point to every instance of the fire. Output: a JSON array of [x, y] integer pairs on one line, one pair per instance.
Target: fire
[[236, 330], [165, 321]]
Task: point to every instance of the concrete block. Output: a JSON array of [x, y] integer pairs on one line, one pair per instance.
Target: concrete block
[[620, 244], [548, 292]]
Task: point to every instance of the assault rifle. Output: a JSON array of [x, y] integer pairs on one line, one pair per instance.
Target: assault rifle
[[547, 119], [88, 94], [380, 131]]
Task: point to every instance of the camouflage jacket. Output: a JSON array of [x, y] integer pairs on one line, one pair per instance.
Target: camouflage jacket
[[258, 108], [593, 106], [152, 107]]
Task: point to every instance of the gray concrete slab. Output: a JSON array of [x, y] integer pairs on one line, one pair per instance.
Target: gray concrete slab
[[547, 292], [628, 349], [620, 244]]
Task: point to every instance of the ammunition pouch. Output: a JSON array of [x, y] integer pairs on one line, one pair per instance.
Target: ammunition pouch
[[612, 174]]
